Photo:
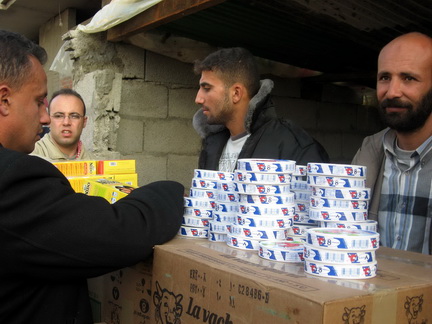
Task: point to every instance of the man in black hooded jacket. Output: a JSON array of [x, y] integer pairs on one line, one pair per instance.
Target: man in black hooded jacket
[[237, 118]]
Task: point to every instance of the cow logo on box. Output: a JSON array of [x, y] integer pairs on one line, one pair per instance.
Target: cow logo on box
[[350, 171], [261, 166], [367, 271], [168, 306], [353, 257], [354, 315], [413, 308]]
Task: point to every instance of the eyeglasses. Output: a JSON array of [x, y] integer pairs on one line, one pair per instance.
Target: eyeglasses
[[73, 116]]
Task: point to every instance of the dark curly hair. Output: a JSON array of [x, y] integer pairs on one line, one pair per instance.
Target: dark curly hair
[[232, 65]]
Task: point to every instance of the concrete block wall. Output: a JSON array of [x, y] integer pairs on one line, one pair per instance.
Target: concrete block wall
[[338, 121], [157, 112], [148, 117], [156, 119]]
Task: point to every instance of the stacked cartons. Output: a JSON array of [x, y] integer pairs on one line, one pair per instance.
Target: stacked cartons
[[120, 170], [111, 190], [210, 283], [123, 296], [197, 281], [77, 168], [80, 172]]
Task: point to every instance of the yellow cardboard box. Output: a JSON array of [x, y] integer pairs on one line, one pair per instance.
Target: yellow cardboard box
[[77, 168], [128, 178], [111, 190], [116, 166], [78, 182]]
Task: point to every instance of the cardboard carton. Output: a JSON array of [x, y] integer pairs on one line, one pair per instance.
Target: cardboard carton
[[116, 167], [78, 182], [123, 296], [130, 179], [77, 168], [111, 190], [196, 281]]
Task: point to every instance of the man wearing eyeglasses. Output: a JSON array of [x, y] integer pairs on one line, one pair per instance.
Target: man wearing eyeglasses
[[68, 118]]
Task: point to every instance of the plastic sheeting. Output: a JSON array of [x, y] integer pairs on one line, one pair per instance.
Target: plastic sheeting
[[62, 64], [115, 13]]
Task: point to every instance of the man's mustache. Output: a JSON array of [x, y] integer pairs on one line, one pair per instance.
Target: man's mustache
[[395, 103]]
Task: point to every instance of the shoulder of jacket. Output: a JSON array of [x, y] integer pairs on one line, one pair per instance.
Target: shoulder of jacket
[[9, 158], [375, 141], [297, 132]]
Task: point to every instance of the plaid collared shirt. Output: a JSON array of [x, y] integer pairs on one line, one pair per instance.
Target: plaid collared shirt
[[406, 198]]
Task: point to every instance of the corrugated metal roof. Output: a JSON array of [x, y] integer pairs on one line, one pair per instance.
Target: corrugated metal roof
[[339, 37]]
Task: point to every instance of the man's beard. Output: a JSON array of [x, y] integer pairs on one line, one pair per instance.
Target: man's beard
[[224, 114], [410, 120]]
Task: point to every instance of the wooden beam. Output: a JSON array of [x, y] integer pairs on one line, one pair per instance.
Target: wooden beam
[[161, 13], [188, 51], [180, 48]]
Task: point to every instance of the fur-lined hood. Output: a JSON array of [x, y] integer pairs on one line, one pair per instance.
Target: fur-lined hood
[[200, 120]]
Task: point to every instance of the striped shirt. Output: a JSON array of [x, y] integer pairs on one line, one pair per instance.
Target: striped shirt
[[405, 205]]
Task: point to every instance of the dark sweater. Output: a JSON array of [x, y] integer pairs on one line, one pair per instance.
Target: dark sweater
[[52, 239]]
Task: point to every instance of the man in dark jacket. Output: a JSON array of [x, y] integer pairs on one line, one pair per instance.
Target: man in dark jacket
[[52, 239], [237, 118]]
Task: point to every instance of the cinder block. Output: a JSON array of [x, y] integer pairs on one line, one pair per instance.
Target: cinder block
[[144, 99], [350, 144], [301, 112], [181, 103], [130, 136], [104, 81], [369, 120], [290, 87], [150, 168], [332, 142], [339, 117], [339, 94], [318, 136], [133, 59], [181, 169], [170, 136], [86, 88], [159, 68]]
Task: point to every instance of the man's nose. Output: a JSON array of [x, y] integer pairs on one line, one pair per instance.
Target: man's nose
[[199, 98], [67, 120], [394, 89], [44, 117]]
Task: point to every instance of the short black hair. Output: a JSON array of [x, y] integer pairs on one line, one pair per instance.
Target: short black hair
[[15, 53], [232, 65], [67, 92]]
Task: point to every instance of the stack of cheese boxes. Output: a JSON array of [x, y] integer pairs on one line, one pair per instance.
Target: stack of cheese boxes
[[211, 205], [344, 246], [110, 179], [302, 193], [266, 210], [252, 209]]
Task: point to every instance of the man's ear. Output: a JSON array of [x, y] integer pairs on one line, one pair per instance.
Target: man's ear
[[4, 99], [238, 91]]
